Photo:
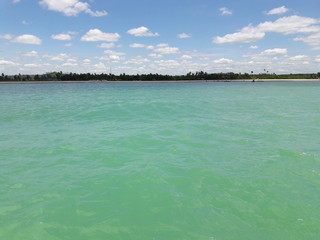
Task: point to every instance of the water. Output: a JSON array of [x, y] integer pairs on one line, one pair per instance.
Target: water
[[207, 161]]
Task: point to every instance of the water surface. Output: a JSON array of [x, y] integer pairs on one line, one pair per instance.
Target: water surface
[[207, 161]]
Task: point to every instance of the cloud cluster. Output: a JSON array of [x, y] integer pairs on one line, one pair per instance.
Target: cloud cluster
[[96, 35], [71, 7], [279, 10], [142, 32], [285, 25], [27, 39], [62, 37], [184, 35], [162, 48], [225, 11]]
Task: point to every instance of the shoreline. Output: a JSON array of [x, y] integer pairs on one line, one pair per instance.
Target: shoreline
[[165, 81]]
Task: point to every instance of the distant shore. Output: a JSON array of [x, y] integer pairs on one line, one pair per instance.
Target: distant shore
[[165, 81]]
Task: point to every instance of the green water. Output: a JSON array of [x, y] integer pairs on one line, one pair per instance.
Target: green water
[[160, 161]]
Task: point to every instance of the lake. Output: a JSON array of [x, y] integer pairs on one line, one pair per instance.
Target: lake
[[160, 161]]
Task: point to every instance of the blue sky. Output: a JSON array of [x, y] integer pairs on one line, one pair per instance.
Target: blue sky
[[166, 37]]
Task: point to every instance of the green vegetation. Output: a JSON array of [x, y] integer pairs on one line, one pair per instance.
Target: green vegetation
[[60, 76]]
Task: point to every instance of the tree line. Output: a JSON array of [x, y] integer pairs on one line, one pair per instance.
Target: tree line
[[60, 76]]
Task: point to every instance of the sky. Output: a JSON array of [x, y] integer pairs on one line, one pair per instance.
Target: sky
[[166, 37]]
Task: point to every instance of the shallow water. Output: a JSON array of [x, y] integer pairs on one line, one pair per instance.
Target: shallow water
[[211, 161]]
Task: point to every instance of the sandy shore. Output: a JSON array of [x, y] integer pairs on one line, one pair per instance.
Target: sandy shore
[[182, 81]]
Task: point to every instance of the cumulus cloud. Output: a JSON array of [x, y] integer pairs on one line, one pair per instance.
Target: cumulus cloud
[[225, 11], [279, 10], [31, 54], [95, 35], [86, 61], [285, 25], [299, 58], [59, 57], [184, 35], [155, 55], [110, 52], [32, 65], [186, 57], [69, 64], [138, 45], [6, 36], [113, 55], [291, 25], [8, 63], [62, 37], [164, 48], [313, 40], [223, 61], [27, 39], [168, 63], [142, 32], [107, 45], [137, 60], [71, 7], [245, 35], [253, 47], [274, 52]]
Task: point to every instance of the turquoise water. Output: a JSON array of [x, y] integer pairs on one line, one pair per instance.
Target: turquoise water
[[207, 161]]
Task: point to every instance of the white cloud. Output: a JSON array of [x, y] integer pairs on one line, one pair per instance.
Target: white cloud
[[71, 7], [113, 55], [100, 66], [24, 22], [245, 35], [16, 1], [284, 25], [184, 35], [137, 60], [32, 65], [138, 45], [69, 64], [225, 11], [94, 35], [86, 61], [68, 45], [62, 37], [6, 36], [274, 52], [142, 32], [299, 58], [186, 57], [254, 47], [164, 48], [59, 57], [154, 55], [223, 61], [106, 45], [313, 40], [27, 39], [279, 10], [96, 13], [291, 25], [31, 54], [6, 62], [168, 63], [110, 52]]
